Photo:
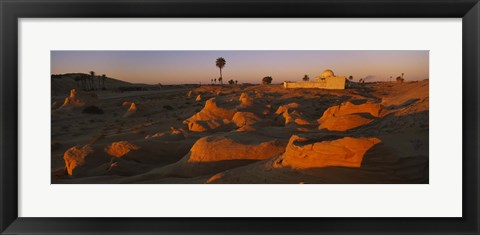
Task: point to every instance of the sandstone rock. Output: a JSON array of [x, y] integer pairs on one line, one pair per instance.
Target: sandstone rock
[[307, 152], [131, 110], [136, 157], [214, 178], [235, 146], [245, 99], [216, 153], [80, 160], [288, 118], [152, 151], [213, 125], [245, 118], [284, 108], [302, 122], [376, 110], [290, 115], [348, 116], [214, 109], [173, 135], [72, 100], [119, 149], [344, 122]]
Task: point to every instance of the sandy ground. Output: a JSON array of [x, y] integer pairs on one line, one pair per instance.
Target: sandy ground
[[374, 133]]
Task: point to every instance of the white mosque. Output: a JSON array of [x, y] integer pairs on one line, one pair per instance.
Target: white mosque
[[326, 80]]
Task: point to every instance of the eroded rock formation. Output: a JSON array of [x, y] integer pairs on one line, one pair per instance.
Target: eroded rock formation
[[307, 152]]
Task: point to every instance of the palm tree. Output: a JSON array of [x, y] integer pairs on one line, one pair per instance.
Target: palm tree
[[215, 80], [267, 80], [306, 78], [211, 81], [99, 81], [236, 81], [220, 63], [104, 77], [84, 82], [231, 82], [350, 78], [92, 75]]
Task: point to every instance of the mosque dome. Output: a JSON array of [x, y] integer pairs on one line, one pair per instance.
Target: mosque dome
[[327, 73]]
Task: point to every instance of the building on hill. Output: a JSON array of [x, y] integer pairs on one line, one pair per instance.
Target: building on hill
[[326, 80]]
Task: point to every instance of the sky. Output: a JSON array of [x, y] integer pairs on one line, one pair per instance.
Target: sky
[[181, 67]]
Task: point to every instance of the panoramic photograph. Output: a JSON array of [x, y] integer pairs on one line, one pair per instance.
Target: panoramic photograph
[[240, 117]]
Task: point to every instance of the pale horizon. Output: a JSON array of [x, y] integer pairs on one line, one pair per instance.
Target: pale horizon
[[194, 67]]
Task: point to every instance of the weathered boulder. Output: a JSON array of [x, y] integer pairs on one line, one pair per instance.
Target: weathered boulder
[[307, 152], [376, 110], [345, 122], [283, 108], [245, 118], [290, 115], [348, 116], [214, 109], [212, 125], [131, 110], [119, 149], [75, 100], [235, 146], [245, 99], [79, 161]]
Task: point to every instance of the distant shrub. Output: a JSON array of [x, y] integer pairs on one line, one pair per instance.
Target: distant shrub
[[92, 109], [267, 80]]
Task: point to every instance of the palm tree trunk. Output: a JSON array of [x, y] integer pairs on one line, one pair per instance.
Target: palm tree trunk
[[221, 81]]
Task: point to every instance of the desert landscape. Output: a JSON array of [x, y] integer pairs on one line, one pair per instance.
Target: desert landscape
[[109, 131]]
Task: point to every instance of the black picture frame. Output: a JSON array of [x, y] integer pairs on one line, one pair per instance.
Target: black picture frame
[[11, 11]]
